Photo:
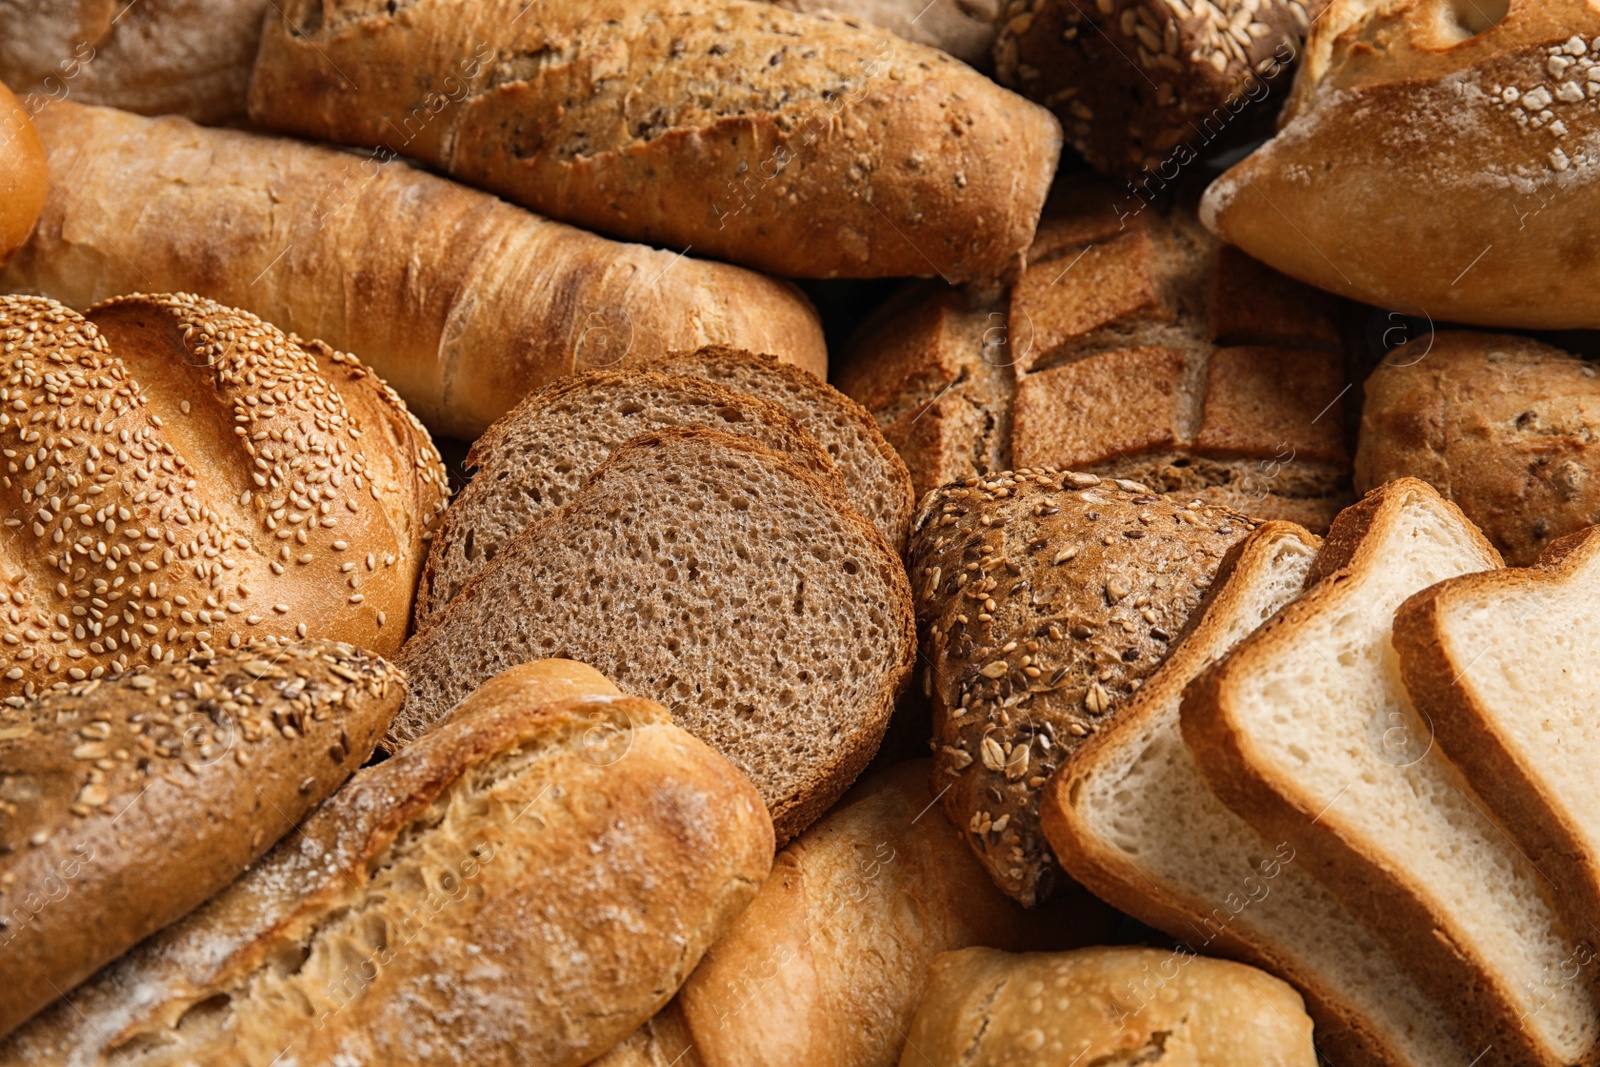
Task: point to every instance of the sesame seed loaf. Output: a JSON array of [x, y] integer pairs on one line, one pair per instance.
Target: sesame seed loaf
[[460, 301], [1148, 86], [23, 181], [528, 884], [1490, 107], [179, 475], [1044, 600], [795, 144], [125, 802], [1135, 346], [875, 477], [964, 28], [1504, 427], [537, 456], [725, 580]]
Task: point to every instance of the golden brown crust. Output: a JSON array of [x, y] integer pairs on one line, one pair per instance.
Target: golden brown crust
[[795, 144], [126, 802], [460, 301], [23, 184]]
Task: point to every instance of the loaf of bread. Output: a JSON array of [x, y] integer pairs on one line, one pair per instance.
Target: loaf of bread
[[725, 580], [1134, 347], [128, 801], [795, 144], [1505, 427], [1144, 89], [526, 885], [1485, 109], [181, 476], [461, 302], [23, 180], [1105, 1006], [1044, 600], [156, 57], [964, 28]]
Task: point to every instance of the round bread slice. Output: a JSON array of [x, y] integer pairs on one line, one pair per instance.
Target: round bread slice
[[724, 580], [875, 477], [537, 456]]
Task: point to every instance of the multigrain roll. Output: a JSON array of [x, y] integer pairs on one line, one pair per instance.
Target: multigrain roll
[[23, 185]]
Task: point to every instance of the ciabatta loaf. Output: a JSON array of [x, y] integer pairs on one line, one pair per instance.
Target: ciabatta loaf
[[1131, 818], [796, 144], [1500, 664], [1307, 732], [526, 885], [725, 580]]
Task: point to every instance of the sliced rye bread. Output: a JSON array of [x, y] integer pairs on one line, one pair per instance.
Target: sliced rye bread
[[1132, 820], [875, 477], [1504, 665], [537, 456], [722, 579], [1305, 730]]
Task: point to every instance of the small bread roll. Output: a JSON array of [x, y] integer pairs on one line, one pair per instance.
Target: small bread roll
[[22, 174]]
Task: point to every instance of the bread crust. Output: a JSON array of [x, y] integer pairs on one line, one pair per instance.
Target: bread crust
[[460, 301], [854, 154], [23, 181]]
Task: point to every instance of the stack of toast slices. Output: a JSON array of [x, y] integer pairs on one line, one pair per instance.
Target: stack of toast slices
[[1351, 772]]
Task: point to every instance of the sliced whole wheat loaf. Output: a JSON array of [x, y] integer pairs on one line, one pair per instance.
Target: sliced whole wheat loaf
[[724, 580], [1306, 731], [1503, 664], [1132, 819], [875, 477], [537, 456]]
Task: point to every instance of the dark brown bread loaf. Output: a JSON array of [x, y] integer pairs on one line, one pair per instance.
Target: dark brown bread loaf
[[794, 144], [1044, 600], [1135, 346], [725, 580], [126, 802]]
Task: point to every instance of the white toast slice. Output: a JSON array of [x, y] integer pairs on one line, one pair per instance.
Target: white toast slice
[[1306, 731], [1505, 666], [1132, 820]]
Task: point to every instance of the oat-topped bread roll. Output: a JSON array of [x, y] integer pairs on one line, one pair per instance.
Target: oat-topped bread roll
[[1504, 427], [180, 475], [1145, 87], [964, 28], [526, 885], [460, 301], [795, 144], [156, 57], [23, 181], [1437, 157], [1135, 346], [1044, 600], [125, 802]]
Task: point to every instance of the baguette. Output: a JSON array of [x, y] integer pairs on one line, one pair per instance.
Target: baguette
[[461, 302], [794, 144], [527, 885], [23, 180]]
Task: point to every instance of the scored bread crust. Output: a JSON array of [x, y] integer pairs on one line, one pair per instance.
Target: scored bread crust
[[1345, 1029], [1447, 963], [1437, 674]]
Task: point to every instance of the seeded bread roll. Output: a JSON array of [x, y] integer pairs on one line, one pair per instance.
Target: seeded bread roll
[[1044, 600], [23, 184], [795, 144], [526, 885], [181, 476], [126, 802]]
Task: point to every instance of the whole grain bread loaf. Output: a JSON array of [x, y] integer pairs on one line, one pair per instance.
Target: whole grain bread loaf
[[964, 28], [1044, 599], [1135, 346], [795, 144]]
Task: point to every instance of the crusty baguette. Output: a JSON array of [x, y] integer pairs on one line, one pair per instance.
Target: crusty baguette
[[792, 143], [1503, 667], [527, 885], [723, 579], [1105, 1007], [463, 303], [125, 803], [1306, 732], [23, 179], [1132, 819]]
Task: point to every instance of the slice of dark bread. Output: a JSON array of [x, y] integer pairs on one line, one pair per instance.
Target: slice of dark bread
[[875, 477], [728, 582], [537, 456]]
